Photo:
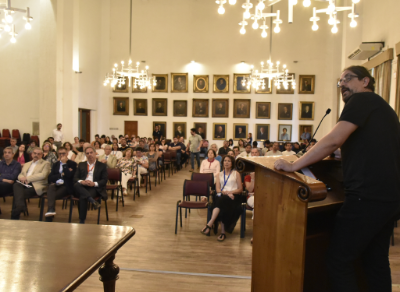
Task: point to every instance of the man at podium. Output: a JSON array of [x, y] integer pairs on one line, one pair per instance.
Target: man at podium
[[364, 224]]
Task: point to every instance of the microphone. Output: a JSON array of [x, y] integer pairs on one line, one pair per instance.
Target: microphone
[[328, 111]]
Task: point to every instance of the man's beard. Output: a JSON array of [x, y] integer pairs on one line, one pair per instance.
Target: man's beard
[[350, 93]]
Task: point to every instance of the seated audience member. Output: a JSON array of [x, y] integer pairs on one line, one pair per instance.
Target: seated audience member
[[266, 147], [80, 148], [296, 147], [145, 140], [13, 145], [163, 146], [102, 143], [71, 154], [133, 138], [32, 145], [227, 202], [210, 165], [115, 141], [236, 151], [123, 146], [127, 139], [48, 154], [108, 141], [133, 143], [143, 146], [254, 152], [274, 150], [108, 158], [184, 155], [9, 171], [115, 151], [34, 174], [224, 149], [127, 167], [176, 146], [288, 151], [152, 156], [21, 155], [204, 147], [215, 148], [53, 147], [230, 143], [81, 157], [255, 145], [97, 146], [231, 153], [90, 182], [96, 138], [247, 152], [241, 146], [149, 141], [142, 161], [76, 143], [61, 182]]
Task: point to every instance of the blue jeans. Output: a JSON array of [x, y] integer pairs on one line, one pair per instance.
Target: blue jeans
[[192, 158]]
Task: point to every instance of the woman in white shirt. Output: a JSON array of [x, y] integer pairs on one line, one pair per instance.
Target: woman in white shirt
[[71, 154], [163, 146], [99, 151], [115, 151], [210, 165]]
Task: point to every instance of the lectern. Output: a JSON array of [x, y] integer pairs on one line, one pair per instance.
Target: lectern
[[293, 218]]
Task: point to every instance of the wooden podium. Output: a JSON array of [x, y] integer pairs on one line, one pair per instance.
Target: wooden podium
[[293, 218]]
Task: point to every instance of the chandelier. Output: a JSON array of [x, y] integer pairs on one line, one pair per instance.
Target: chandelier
[[118, 75], [7, 22]]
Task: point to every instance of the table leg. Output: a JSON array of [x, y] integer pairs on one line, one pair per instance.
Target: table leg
[[109, 274]]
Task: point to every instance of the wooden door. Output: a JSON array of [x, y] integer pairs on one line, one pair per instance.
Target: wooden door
[[131, 128], [84, 124]]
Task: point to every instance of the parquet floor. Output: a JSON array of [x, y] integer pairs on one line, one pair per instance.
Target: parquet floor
[[155, 250]]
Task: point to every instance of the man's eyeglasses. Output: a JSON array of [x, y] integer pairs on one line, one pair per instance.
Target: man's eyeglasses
[[346, 79], [62, 153]]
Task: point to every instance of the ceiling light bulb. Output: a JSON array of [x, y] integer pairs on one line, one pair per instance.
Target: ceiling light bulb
[[28, 25], [277, 29], [331, 21], [334, 29], [255, 24], [306, 3], [232, 2], [221, 10], [356, 1], [9, 18], [315, 26], [7, 28], [242, 30], [353, 23], [261, 5], [246, 14], [13, 40], [293, 2], [264, 34], [331, 8]]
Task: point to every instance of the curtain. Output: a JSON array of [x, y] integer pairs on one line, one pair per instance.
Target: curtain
[[382, 75], [397, 105]]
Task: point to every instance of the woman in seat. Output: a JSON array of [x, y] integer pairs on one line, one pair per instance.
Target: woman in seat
[[127, 166], [48, 155], [71, 154], [210, 165], [22, 155]]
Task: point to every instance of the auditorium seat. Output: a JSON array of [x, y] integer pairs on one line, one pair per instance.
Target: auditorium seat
[[36, 139], [26, 138], [16, 135], [5, 138]]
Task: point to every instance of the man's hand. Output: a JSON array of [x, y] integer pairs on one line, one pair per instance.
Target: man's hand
[[89, 183], [104, 161], [8, 181], [284, 165], [23, 180], [64, 159], [83, 182], [198, 148]]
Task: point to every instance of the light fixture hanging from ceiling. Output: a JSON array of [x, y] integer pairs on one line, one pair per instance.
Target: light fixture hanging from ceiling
[[117, 77], [7, 24]]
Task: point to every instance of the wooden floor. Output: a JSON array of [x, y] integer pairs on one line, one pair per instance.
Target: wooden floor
[[156, 259]]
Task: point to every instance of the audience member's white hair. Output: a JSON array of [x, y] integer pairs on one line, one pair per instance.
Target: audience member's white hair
[[107, 146]]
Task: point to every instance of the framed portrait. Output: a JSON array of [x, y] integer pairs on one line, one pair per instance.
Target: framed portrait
[[179, 129], [306, 110], [160, 106], [306, 84], [221, 83], [201, 129], [241, 108], [137, 88], [121, 85], [200, 108], [265, 88], [140, 107], [179, 82], [290, 89], [219, 131], [285, 111], [200, 83], [305, 132], [285, 133], [238, 86], [240, 131], [161, 84], [263, 110], [220, 107], [262, 132], [180, 108], [162, 126], [121, 106]]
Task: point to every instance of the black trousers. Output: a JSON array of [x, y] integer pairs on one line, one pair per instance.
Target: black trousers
[[84, 193], [54, 193], [21, 193], [5, 189], [362, 229]]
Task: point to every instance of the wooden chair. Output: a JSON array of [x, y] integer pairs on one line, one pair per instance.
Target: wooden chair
[[135, 183], [167, 159], [98, 199], [114, 174], [16, 135]]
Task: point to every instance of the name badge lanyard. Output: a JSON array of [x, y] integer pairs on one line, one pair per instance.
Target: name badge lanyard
[[89, 170], [225, 181]]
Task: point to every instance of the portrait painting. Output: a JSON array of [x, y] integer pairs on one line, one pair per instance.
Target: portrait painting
[[162, 126], [264, 87], [306, 109], [180, 108], [219, 131], [161, 84], [306, 84], [305, 132], [263, 110], [285, 111], [179, 129], [290, 89], [240, 131], [221, 83], [121, 106], [136, 88], [200, 108], [285, 133], [241, 108], [200, 83], [160, 107], [122, 85], [238, 85], [220, 107], [140, 107], [179, 82], [262, 132], [201, 129]]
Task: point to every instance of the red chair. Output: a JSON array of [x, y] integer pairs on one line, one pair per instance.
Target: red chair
[[16, 135], [5, 139], [6, 133], [36, 139], [114, 174], [98, 199]]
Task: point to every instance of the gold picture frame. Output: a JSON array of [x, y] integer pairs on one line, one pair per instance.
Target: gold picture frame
[[123, 88], [290, 89], [237, 83], [261, 135], [140, 107], [301, 130], [241, 108], [121, 106], [179, 82], [161, 83], [176, 132], [221, 83], [200, 83], [281, 132], [267, 89], [220, 108], [306, 84], [237, 134], [162, 127], [217, 134], [306, 110], [137, 89], [159, 107], [200, 108], [180, 108], [201, 129], [285, 115], [263, 110]]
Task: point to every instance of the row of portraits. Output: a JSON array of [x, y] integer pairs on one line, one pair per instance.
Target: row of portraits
[[240, 131], [220, 108], [179, 83]]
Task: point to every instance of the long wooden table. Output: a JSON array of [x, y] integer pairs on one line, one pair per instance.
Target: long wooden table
[[43, 256]]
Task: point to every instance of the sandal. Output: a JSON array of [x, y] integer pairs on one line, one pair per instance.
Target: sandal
[[204, 230], [223, 237]]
